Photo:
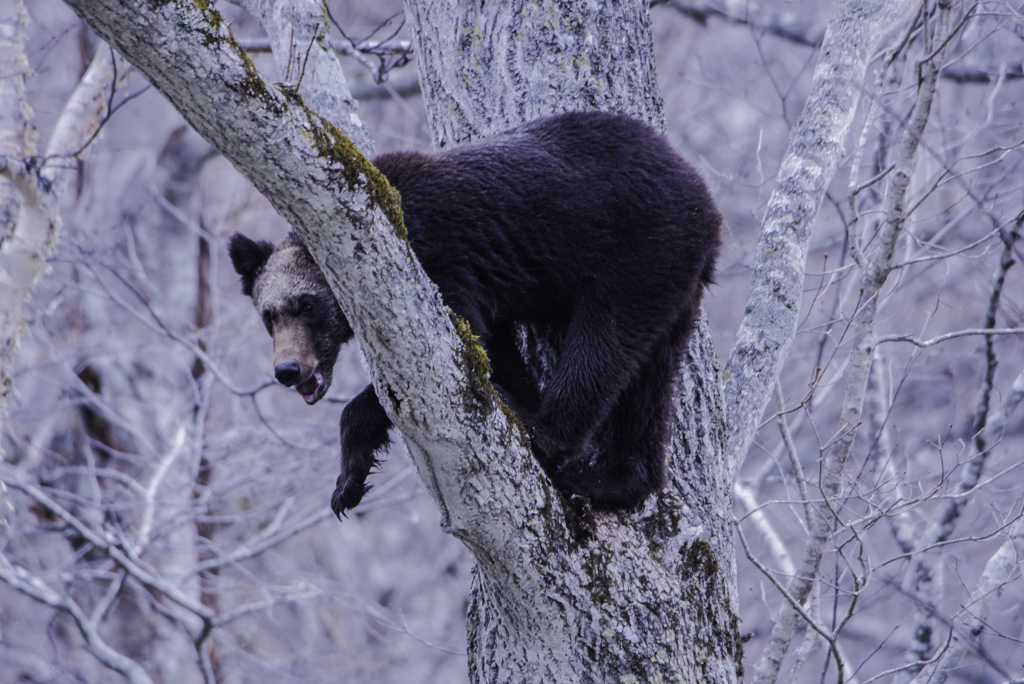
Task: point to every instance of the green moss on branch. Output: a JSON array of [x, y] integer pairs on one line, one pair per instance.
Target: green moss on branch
[[357, 171]]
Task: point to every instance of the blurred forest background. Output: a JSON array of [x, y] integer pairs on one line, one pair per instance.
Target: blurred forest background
[[145, 403]]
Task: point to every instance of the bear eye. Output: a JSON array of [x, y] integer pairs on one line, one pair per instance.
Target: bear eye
[[307, 307], [268, 322]]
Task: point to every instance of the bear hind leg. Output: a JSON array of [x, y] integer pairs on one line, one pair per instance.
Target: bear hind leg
[[629, 459], [600, 354]]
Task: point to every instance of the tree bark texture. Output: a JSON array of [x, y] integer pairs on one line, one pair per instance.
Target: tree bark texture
[[16, 132], [485, 65], [300, 40], [17, 141]]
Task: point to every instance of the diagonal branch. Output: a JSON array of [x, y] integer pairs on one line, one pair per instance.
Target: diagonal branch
[[815, 149], [349, 218]]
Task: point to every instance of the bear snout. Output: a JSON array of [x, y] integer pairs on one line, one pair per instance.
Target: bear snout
[[288, 373]]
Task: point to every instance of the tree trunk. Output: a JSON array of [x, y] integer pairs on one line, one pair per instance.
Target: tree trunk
[[651, 595], [30, 191]]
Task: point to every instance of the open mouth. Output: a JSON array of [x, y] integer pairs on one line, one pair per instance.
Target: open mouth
[[312, 390]]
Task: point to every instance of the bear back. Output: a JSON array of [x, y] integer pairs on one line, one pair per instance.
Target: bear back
[[524, 222]]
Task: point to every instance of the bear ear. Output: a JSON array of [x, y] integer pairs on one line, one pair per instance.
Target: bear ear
[[248, 257]]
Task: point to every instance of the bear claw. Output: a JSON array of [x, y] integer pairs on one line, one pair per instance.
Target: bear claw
[[347, 495]]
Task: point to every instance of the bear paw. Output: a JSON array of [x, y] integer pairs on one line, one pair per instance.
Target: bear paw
[[347, 494]]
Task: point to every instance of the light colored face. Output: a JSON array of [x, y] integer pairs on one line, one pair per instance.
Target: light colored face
[[289, 298], [287, 274]]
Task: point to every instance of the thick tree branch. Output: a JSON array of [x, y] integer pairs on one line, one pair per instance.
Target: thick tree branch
[[336, 201]]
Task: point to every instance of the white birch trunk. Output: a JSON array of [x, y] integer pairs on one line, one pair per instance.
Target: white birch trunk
[[816, 146], [30, 188], [16, 132], [17, 141]]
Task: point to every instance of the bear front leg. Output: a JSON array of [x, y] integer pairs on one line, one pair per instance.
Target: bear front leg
[[364, 432]]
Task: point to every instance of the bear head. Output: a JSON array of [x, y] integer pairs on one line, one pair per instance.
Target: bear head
[[298, 309]]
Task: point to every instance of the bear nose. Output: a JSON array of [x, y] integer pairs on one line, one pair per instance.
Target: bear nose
[[288, 373]]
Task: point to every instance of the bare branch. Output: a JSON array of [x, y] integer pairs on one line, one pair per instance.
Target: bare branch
[[961, 74], [258, 545], [794, 457], [783, 25], [949, 336], [149, 499], [745, 496], [792, 602], [33, 587], [342, 47]]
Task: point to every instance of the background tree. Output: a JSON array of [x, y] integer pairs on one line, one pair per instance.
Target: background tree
[[96, 477]]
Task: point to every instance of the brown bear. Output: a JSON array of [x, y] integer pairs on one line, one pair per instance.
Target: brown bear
[[587, 226]]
